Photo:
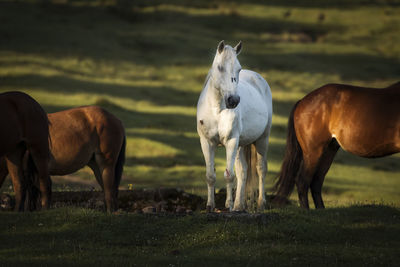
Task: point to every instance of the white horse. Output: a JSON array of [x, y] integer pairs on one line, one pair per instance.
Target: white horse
[[235, 110]]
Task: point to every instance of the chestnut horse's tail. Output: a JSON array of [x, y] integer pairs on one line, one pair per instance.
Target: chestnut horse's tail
[[291, 163], [119, 166]]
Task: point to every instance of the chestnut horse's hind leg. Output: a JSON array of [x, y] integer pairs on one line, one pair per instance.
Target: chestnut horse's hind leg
[[311, 159], [322, 169], [96, 170], [41, 163], [14, 165], [110, 194], [104, 171]]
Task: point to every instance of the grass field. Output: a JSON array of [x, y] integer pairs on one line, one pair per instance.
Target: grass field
[[353, 236], [145, 61]]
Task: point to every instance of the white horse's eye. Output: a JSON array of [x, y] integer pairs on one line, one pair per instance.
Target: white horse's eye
[[220, 68]]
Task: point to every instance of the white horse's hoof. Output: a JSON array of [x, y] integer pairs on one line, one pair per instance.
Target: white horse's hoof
[[229, 205]]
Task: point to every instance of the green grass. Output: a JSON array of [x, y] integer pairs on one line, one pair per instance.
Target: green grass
[[146, 62], [356, 235]]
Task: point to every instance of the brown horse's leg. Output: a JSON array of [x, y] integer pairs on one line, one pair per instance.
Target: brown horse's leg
[[96, 170], [3, 170], [310, 162], [14, 165], [319, 176], [104, 172], [41, 164], [109, 185]]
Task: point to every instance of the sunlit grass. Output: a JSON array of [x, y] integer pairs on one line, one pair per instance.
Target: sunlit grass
[[146, 63]]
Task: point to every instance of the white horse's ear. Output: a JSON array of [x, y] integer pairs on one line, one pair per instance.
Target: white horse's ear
[[221, 46], [238, 48]]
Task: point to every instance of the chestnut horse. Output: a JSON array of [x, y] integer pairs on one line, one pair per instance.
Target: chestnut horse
[[24, 127], [362, 121], [88, 136]]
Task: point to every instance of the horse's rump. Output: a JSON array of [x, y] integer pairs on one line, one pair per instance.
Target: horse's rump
[[25, 128], [23, 120], [363, 121]]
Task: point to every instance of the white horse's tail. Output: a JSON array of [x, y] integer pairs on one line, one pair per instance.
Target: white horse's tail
[[252, 177]]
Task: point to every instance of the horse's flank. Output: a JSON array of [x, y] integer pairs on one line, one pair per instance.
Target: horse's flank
[[80, 133], [363, 121], [87, 136]]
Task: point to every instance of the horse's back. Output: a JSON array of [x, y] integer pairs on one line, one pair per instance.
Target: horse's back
[[256, 81], [364, 121], [92, 118]]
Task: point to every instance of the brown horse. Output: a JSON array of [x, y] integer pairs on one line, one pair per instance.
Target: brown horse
[[88, 136], [24, 127], [363, 121]]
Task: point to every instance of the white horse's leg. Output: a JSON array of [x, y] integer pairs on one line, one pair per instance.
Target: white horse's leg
[[209, 153], [241, 175], [231, 148], [262, 168]]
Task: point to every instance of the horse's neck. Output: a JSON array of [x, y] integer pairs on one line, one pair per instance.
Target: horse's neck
[[213, 97]]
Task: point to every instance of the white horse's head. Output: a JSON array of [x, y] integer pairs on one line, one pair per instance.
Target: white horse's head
[[225, 73]]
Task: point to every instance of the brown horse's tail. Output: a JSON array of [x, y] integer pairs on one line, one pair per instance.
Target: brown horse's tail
[[31, 182], [252, 177], [119, 166], [291, 163]]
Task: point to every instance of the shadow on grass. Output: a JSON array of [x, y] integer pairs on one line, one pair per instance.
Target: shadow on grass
[[347, 65], [338, 4], [162, 95], [356, 235], [165, 38]]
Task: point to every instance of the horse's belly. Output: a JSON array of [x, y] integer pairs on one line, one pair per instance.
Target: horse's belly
[[366, 145], [67, 163], [251, 134], [254, 124]]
